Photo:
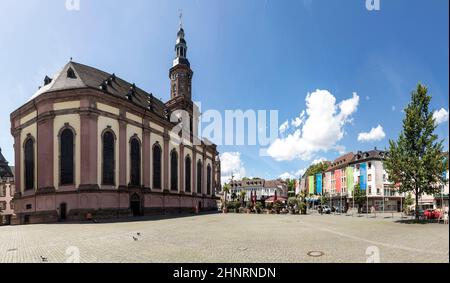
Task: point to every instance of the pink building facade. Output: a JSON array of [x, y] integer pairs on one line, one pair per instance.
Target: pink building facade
[[89, 144]]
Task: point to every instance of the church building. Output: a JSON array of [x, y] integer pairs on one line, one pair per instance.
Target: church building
[[90, 145]]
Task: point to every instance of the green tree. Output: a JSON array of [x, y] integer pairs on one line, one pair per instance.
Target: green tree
[[324, 200], [242, 197], [291, 187], [290, 184], [415, 161], [317, 168], [359, 196], [407, 202], [303, 205], [292, 202], [226, 191]]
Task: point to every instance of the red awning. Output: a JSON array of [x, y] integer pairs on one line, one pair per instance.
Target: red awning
[[272, 199]]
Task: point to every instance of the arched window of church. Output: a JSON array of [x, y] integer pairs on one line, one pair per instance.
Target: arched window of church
[[199, 177], [135, 162], [174, 171], [108, 161], [156, 166], [208, 179], [66, 157], [29, 164], [187, 177]]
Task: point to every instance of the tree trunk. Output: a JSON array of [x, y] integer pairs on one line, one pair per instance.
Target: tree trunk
[[224, 205], [417, 205]]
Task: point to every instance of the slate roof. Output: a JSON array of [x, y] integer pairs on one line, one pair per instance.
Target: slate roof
[[369, 155], [5, 170], [273, 184], [77, 76], [341, 161], [258, 183]]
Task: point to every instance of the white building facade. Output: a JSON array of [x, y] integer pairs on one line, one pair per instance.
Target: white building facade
[[264, 189]]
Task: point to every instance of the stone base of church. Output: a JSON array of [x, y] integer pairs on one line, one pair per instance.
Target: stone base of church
[[105, 205]]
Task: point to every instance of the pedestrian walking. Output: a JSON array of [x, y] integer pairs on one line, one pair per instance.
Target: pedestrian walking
[[372, 210], [445, 216]]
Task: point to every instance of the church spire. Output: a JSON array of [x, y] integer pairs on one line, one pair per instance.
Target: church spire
[[181, 74], [181, 46]]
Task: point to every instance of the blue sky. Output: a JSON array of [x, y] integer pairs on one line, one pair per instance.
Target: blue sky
[[252, 54]]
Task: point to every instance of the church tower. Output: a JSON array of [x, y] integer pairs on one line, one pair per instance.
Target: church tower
[[181, 74], [181, 82]]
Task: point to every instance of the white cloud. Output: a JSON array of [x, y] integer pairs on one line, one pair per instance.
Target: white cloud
[[283, 128], [300, 173], [440, 116], [298, 121], [292, 175], [286, 175], [367, 98], [375, 134], [349, 106], [341, 149], [317, 161], [322, 129], [231, 164], [394, 108]]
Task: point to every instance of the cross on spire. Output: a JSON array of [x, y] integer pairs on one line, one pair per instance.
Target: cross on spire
[[180, 11]]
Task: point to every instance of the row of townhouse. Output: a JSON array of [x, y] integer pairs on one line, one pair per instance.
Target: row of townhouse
[[367, 170]]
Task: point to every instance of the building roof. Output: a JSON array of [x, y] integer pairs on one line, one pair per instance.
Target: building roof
[[341, 161], [78, 76], [375, 154], [273, 184], [258, 183], [248, 183], [5, 170]]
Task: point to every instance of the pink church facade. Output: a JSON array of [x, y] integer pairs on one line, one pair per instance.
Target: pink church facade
[[89, 144]]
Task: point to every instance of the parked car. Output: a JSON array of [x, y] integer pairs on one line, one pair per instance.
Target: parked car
[[337, 209], [432, 214], [326, 209]]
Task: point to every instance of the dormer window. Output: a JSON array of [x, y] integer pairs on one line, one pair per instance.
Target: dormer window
[[47, 80], [71, 74], [103, 86]]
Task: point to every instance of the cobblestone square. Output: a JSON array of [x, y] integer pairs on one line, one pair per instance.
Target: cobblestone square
[[231, 238]]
